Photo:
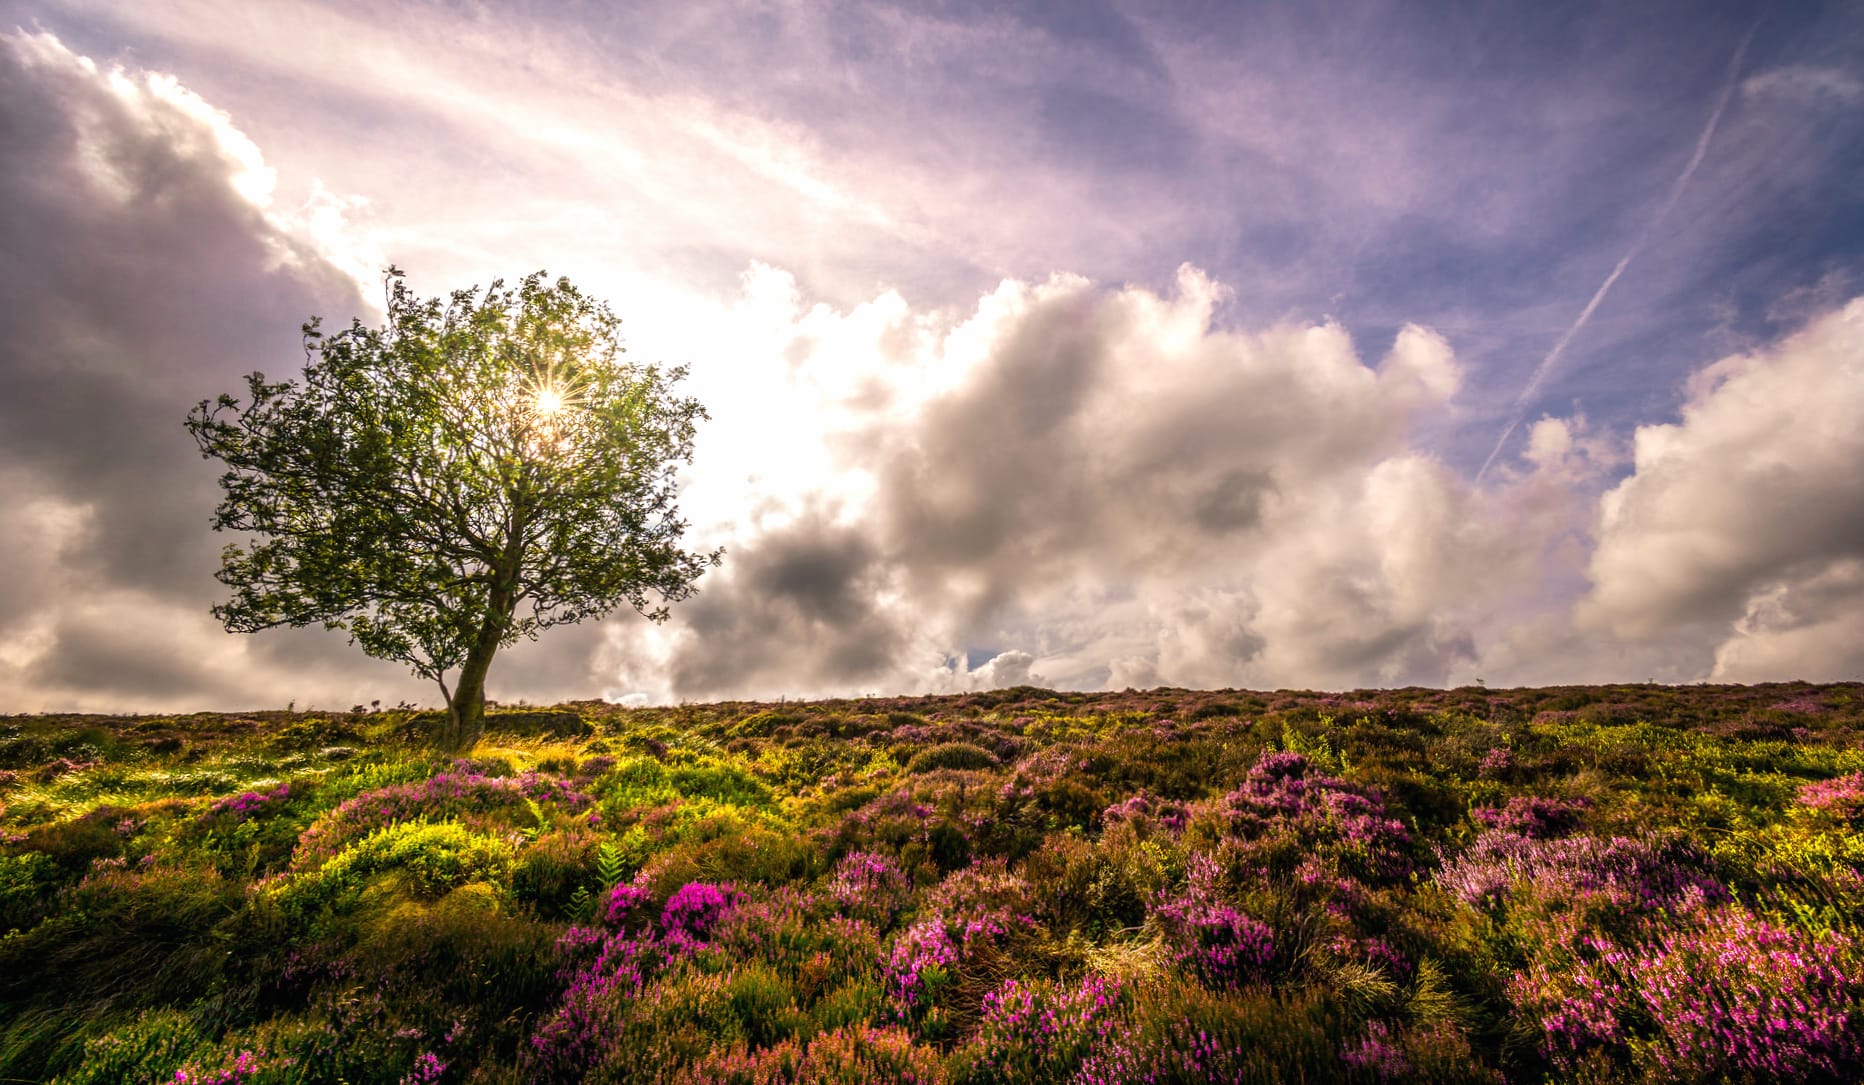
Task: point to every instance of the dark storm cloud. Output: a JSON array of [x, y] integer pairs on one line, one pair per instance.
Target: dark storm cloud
[[135, 279], [132, 658], [796, 611]]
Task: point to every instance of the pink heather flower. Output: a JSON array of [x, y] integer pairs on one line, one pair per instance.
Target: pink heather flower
[[428, 1070], [1376, 1054], [1841, 798], [1224, 946], [1728, 996], [622, 902], [1534, 816], [1042, 1030], [923, 947], [1284, 798], [249, 804], [695, 908], [871, 886], [244, 1066], [1641, 874]]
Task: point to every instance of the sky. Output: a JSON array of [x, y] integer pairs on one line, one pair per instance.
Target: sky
[[1085, 345]]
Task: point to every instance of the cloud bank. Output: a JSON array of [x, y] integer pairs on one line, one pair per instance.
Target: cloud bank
[[1101, 487], [1109, 489]]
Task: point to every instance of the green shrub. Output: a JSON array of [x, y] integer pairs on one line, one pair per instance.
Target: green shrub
[[27, 881], [761, 724], [549, 870], [147, 1051], [852, 1003], [719, 850], [951, 755], [463, 959], [77, 843], [429, 858], [1179, 1034], [1096, 890], [721, 783], [763, 1005], [122, 940]]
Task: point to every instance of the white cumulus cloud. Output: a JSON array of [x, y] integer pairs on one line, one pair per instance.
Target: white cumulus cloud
[[1745, 520]]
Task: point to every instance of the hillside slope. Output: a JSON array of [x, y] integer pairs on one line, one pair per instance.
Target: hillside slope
[[1623, 883]]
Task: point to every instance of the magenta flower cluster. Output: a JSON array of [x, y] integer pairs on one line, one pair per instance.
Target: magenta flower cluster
[[1646, 874], [238, 1072], [1190, 1054], [921, 958], [1840, 799], [692, 912], [1376, 1055], [1041, 1031], [1283, 799], [615, 970], [1146, 815], [1728, 995], [868, 885], [250, 804], [428, 1069], [1535, 816], [1219, 943], [617, 964], [625, 904]]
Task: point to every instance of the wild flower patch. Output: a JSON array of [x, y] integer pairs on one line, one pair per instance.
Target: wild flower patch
[[1615, 885]]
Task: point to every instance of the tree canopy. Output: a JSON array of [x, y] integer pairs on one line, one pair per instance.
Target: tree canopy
[[478, 469]]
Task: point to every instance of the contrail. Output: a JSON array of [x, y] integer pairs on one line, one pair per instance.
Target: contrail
[[1637, 246]]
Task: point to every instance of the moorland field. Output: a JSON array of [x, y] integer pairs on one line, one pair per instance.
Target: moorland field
[[1602, 884]]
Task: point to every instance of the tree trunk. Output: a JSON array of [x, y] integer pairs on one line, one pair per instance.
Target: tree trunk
[[466, 712]]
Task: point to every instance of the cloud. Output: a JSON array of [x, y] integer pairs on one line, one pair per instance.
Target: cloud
[[799, 612], [1810, 627], [144, 269], [142, 275], [1745, 520], [1807, 83], [1108, 484]]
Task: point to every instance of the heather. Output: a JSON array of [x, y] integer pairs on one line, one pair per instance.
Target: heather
[[1603, 884]]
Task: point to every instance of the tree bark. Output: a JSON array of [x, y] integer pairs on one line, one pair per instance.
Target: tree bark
[[466, 711]]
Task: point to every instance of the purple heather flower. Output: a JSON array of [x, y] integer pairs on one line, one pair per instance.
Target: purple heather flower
[[695, 908], [1841, 798], [428, 1070], [1534, 816], [1376, 1054]]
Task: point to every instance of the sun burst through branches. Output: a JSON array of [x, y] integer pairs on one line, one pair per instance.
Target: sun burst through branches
[[547, 399]]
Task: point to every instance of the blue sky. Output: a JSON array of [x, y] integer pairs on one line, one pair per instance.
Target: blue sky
[[1305, 262]]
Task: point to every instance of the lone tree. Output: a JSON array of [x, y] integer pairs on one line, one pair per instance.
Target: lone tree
[[475, 470]]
